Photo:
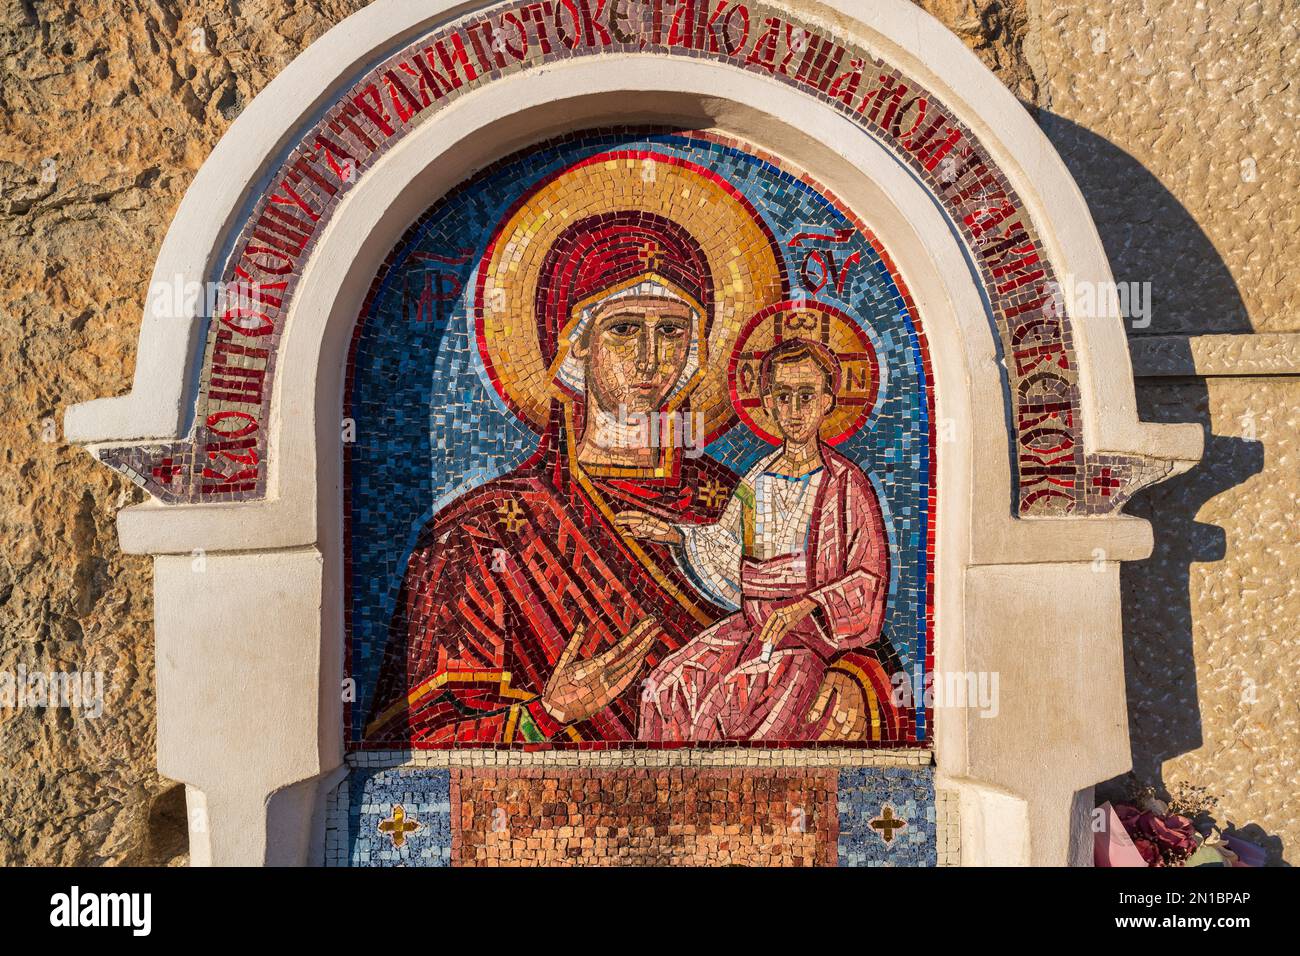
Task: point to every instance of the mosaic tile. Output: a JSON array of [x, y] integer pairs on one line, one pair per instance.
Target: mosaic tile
[[642, 457], [641, 473], [637, 818], [554, 809], [397, 817], [887, 817]]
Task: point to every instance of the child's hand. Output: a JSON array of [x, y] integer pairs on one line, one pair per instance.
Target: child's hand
[[647, 526], [782, 622]]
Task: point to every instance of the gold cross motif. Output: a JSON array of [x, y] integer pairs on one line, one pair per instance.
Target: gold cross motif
[[713, 493], [650, 253], [511, 516], [398, 826], [887, 823]]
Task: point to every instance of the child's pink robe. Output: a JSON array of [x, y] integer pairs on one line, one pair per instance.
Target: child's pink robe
[[718, 686]]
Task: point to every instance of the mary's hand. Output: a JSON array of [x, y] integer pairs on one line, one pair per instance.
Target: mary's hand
[[847, 703], [579, 688], [639, 524]]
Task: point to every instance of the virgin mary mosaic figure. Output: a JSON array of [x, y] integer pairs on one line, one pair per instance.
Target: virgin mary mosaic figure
[[526, 614]]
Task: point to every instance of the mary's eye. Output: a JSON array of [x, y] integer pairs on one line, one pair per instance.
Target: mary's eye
[[623, 329], [671, 330]]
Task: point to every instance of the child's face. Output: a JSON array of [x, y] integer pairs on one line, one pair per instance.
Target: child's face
[[798, 399]]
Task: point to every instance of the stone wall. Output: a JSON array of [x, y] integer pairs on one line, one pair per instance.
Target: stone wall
[[1178, 120], [109, 108], [1174, 119]]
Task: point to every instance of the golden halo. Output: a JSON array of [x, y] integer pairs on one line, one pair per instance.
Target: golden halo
[[742, 260]]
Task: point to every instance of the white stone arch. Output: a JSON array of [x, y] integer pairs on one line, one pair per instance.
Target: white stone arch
[[254, 728]]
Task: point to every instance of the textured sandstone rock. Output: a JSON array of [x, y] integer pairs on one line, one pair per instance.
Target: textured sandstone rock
[[1210, 619], [998, 32], [108, 109], [1178, 118]]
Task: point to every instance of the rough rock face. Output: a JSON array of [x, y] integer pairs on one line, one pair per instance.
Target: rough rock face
[[108, 110], [1178, 119], [999, 32]]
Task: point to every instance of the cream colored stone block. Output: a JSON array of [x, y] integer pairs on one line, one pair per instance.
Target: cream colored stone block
[[1210, 619], [1051, 633], [240, 714]]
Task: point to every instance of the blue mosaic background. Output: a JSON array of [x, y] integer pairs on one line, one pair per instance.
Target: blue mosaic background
[[429, 426], [863, 794], [424, 794]]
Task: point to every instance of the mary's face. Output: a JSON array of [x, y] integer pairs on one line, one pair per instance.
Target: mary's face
[[635, 352]]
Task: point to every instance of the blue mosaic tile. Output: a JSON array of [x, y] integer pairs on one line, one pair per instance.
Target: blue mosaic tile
[[887, 817], [419, 834]]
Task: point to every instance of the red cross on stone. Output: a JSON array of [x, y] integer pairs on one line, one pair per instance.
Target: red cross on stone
[[1106, 482]]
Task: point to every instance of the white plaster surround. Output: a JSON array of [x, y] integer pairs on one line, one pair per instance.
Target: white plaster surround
[[249, 710]]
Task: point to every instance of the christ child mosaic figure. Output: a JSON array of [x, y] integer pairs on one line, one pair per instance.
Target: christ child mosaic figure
[[799, 550]]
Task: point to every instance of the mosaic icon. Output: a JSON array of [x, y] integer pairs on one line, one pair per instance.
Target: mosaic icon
[[643, 458]]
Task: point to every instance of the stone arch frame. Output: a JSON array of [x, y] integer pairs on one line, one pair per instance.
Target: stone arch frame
[[255, 729]]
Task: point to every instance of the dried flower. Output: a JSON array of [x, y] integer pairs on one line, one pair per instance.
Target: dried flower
[[1192, 801], [1169, 839]]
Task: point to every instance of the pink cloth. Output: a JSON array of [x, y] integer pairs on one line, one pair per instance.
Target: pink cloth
[[718, 687], [1112, 845]]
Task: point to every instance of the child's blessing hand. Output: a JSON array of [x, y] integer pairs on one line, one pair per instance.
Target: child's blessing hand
[[639, 524]]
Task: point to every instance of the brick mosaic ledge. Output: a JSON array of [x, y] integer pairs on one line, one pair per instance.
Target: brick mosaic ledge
[[449, 822], [680, 757]]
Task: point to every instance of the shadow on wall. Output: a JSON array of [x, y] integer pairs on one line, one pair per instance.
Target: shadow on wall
[[1150, 238]]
